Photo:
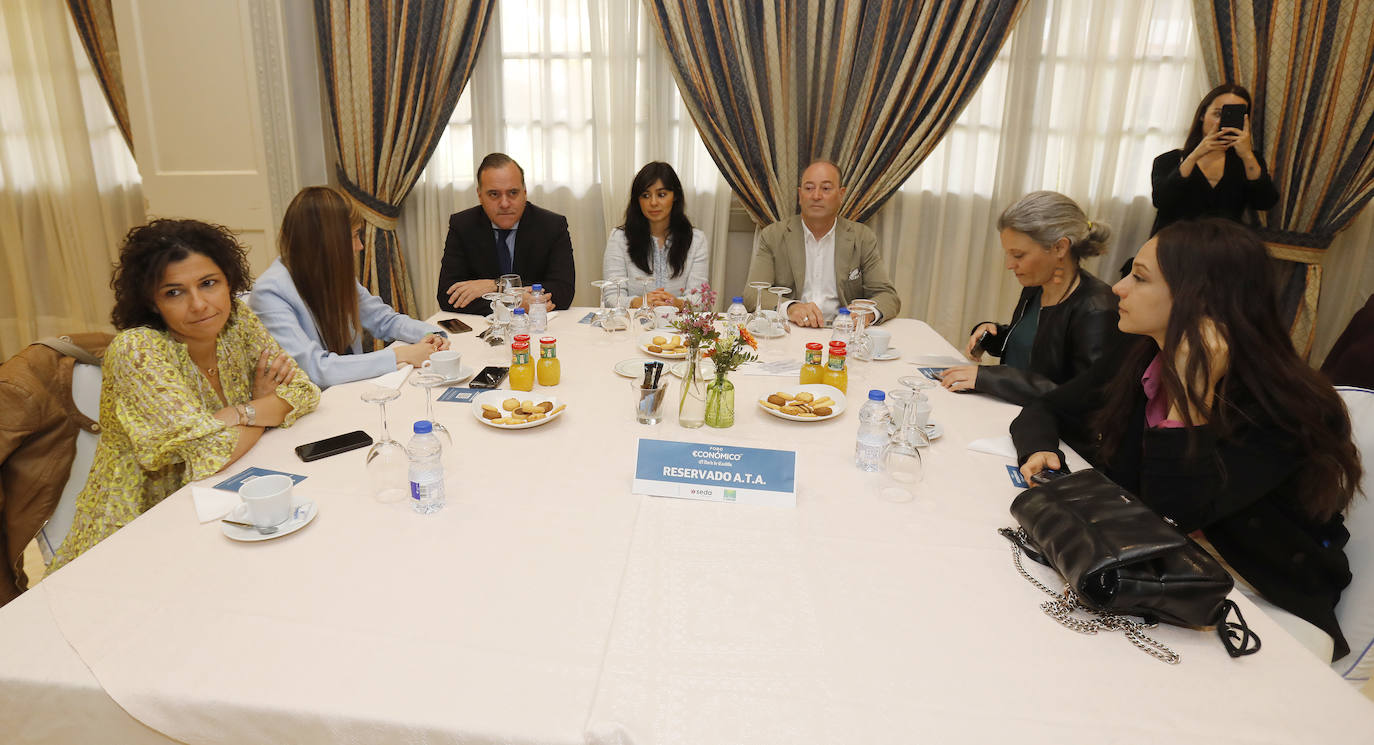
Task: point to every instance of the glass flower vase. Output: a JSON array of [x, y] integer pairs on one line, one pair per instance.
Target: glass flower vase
[[720, 403], [691, 407]]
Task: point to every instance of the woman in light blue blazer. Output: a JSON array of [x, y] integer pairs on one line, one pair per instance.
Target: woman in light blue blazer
[[312, 304]]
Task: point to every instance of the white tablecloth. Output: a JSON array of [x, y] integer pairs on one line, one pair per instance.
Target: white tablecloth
[[548, 604]]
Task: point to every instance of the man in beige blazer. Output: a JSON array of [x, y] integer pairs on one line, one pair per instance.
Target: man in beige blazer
[[828, 261]]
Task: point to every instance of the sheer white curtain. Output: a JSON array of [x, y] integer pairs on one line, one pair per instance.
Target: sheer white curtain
[[69, 188], [580, 94], [1081, 100]]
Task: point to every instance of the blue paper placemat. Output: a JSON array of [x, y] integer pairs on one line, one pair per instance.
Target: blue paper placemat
[[234, 482], [461, 395]]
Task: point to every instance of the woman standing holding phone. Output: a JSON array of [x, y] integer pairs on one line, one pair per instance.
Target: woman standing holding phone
[[1217, 173]]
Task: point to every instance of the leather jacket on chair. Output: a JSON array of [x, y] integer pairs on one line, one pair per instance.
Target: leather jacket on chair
[[38, 426], [1070, 336]]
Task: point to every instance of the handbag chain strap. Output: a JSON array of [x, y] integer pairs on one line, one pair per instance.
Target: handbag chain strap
[[1062, 606]]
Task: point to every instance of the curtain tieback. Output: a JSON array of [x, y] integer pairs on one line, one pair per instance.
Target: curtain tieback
[[374, 211], [1299, 254]]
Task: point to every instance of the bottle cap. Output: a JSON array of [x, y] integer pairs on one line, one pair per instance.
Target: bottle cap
[[537, 287], [521, 337], [423, 427], [548, 340], [843, 311], [876, 395], [814, 345], [737, 299], [837, 344], [520, 345], [837, 351], [519, 311]]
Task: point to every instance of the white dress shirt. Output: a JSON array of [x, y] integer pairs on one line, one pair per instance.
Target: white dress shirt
[[820, 273]]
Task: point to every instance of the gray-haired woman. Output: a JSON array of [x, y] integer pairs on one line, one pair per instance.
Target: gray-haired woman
[[1065, 317]]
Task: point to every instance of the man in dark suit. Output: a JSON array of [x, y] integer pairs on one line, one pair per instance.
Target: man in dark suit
[[504, 234]]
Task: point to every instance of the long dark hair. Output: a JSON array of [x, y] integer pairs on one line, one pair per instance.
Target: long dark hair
[[316, 246], [1195, 132], [1218, 269], [147, 251], [636, 225]]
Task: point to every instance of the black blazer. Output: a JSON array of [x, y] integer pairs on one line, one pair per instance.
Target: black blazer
[[1069, 338], [1241, 491], [543, 254]]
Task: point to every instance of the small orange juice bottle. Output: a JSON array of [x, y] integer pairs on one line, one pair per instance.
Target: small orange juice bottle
[[811, 371], [521, 368], [835, 375], [548, 368]]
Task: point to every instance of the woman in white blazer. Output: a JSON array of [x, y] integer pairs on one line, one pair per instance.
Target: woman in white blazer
[[315, 308], [657, 244]]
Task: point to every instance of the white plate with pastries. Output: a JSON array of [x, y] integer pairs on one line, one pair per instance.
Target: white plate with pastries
[[663, 343], [814, 402], [516, 409]]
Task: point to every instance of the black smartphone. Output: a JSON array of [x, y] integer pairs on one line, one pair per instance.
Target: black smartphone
[[454, 326], [983, 339], [1233, 115], [333, 445], [489, 377], [1048, 475]]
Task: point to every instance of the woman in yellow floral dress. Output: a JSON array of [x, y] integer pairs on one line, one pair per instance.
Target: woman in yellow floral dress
[[190, 382]]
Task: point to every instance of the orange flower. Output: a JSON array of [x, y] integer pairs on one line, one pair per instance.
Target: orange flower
[[709, 353], [748, 337]]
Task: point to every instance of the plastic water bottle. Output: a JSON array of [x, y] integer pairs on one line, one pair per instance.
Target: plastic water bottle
[[844, 326], [736, 315], [871, 444], [426, 470], [539, 310], [520, 322]]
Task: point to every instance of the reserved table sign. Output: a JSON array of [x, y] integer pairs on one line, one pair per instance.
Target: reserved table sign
[[716, 473]]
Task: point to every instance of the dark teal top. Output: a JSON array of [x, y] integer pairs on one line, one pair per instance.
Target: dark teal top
[[1017, 352]]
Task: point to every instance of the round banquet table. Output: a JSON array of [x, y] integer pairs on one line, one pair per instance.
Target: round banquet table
[[549, 603]]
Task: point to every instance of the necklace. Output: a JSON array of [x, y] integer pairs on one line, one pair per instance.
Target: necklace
[[1067, 292], [211, 371]]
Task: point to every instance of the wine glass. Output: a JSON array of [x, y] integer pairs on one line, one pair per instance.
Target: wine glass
[[864, 312], [643, 318], [500, 317], [757, 323], [603, 286], [509, 283], [780, 292], [387, 464], [429, 381]]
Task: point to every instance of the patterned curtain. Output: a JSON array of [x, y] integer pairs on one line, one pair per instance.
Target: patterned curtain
[[1310, 66], [393, 70], [95, 25], [871, 85]]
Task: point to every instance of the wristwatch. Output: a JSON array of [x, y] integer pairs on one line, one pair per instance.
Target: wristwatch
[[250, 415]]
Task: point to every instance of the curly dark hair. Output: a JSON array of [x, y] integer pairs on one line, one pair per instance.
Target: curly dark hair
[[147, 251]]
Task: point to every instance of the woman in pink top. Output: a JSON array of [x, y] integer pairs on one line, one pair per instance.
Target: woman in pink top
[[1213, 420]]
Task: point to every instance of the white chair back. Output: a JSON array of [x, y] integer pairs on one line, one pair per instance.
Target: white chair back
[[1355, 612], [86, 395]]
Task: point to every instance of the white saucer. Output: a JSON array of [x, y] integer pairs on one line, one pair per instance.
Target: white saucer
[[892, 353], [251, 535], [631, 368], [464, 373]]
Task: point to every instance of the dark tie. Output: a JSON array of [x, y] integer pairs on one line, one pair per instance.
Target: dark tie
[[503, 251]]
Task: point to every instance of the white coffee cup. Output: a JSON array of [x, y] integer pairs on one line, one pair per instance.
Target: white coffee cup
[[268, 499], [922, 417], [446, 363], [878, 339], [666, 314]]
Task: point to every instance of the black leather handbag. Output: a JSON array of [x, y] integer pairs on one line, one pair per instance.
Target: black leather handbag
[[1118, 559]]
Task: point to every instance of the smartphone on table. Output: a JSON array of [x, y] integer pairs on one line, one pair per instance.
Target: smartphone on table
[[489, 377], [333, 445], [454, 326]]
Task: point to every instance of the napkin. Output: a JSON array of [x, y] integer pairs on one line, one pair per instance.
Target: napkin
[[779, 367], [212, 504], [393, 379], [1001, 446]]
